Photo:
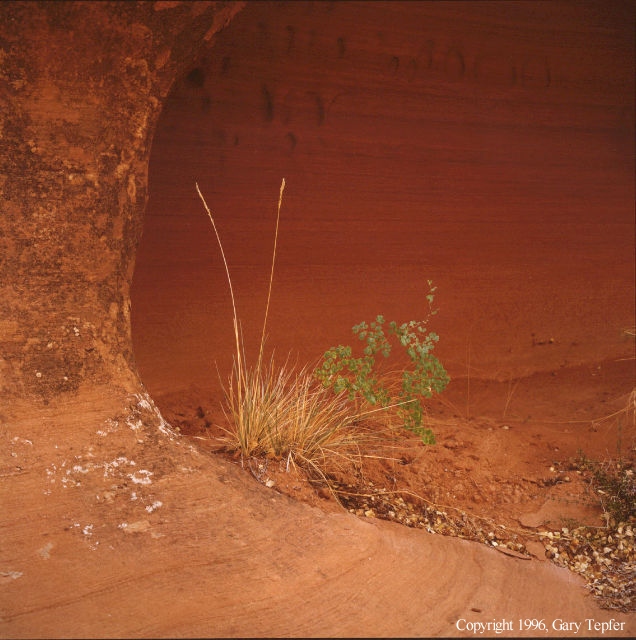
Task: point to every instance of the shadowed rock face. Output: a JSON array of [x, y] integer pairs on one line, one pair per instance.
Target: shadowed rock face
[[486, 146]]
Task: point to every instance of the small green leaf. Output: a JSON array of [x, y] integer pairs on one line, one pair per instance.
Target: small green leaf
[[358, 376]]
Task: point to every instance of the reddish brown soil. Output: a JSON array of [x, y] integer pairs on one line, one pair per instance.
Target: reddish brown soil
[[465, 143], [512, 462]]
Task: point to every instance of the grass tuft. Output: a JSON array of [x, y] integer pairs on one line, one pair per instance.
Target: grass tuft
[[288, 416], [279, 412]]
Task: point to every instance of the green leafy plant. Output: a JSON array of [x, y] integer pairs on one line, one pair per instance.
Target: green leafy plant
[[360, 376]]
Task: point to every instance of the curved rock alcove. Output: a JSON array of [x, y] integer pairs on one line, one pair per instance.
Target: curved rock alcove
[[462, 144], [486, 146]]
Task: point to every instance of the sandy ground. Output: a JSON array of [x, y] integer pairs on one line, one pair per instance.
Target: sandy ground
[[470, 146], [129, 531]]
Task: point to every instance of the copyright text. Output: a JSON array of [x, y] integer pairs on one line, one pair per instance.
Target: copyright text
[[498, 627]]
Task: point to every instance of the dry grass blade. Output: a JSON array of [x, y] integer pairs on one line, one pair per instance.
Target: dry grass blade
[[238, 361], [278, 413], [253, 411], [318, 428], [289, 416]]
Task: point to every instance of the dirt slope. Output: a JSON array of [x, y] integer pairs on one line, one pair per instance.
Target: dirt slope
[[117, 543]]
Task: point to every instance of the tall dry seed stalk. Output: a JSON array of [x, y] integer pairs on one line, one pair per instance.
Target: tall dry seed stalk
[[240, 364], [271, 274], [276, 412], [229, 280]]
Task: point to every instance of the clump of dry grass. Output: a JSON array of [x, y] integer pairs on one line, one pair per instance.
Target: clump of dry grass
[[287, 415], [282, 413], [613, 480]]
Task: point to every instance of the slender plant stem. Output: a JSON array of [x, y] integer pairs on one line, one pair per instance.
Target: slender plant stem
[[510, 394], [229, 280], [271, 275]]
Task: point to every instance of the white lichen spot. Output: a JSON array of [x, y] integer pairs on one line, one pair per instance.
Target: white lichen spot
[[136, 425], [6, 576], [66, 482], [141, 477], [88, 530], [154, 506], [110, 467], [78, 468], [144, 401], [135, 527], [110, 426], [166, 429]]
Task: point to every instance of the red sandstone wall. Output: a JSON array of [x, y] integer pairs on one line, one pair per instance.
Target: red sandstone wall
[[487, 146], [81, 87]]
